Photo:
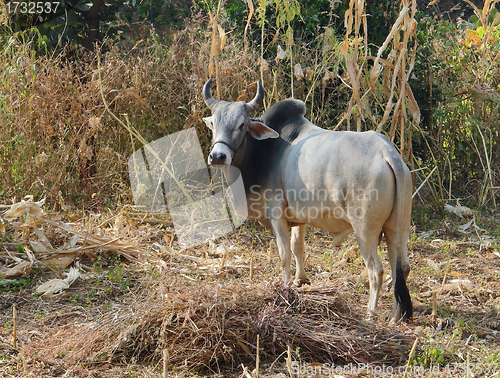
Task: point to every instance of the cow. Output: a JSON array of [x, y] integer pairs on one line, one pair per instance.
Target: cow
[[296, 173]]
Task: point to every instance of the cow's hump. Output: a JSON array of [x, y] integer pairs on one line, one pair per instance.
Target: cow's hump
[[285, 112]]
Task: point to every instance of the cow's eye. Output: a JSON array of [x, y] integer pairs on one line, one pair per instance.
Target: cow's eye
[[242, 126]]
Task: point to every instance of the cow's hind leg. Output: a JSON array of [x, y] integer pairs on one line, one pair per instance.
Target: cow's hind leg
[[368, 241], [298, 234]]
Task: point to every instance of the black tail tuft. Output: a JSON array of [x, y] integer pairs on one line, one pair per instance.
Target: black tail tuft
[[402, 294]]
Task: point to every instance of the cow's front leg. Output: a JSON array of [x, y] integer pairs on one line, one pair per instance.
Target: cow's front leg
[[281, 231], [298, 234]]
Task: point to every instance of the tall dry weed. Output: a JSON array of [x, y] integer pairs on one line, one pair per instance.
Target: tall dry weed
[[388, 88], [58, 141]]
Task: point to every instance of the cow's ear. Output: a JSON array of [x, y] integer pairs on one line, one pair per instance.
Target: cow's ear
[[209, 121], [260, 131]]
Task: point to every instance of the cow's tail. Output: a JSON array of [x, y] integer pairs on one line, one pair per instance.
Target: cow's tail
[[401, 293]]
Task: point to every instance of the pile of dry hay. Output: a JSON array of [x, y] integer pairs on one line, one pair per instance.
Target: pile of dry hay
[[210, 326]]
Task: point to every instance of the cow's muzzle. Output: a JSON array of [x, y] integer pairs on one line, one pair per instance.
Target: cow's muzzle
[[217, 158], [221, 154]]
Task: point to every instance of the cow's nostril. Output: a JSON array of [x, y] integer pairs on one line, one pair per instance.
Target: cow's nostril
[[222, 157]]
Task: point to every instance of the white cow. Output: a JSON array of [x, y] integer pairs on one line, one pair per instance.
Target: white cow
[[296, 173]]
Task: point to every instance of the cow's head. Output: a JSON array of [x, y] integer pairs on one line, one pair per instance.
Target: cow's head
[[230, 122]]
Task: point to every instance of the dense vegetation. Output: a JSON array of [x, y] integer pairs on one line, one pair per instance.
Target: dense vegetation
[[58, 141], [83, 86]]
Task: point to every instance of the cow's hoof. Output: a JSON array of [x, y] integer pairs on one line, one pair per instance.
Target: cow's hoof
[[372, 317], [300, 282]]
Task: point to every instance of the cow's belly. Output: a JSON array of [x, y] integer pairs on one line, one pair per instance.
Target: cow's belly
[[336, 222], [322, 214]]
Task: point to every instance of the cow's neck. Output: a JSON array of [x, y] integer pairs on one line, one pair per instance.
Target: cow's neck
[[246, 161]]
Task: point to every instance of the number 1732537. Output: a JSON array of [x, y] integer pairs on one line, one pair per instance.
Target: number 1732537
[[32, 7]]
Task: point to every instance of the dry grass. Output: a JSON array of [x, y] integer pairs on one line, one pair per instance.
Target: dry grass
[[209, 323], [211, 326], [202, 306], [54, 114]]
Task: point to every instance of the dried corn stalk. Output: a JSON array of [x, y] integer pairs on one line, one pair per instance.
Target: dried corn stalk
[[217, 43], [355, 14], [31, 225], [399, 64]]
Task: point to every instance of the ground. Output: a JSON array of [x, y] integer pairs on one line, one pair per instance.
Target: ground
[[199, 311]]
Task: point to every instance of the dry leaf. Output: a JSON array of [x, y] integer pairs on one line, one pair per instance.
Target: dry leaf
[[327, 77], [487, 241], [118, 221], [40, 159], [297, 71], [309, 73], [74, 239], [52, 287], [414, 108], [242, 95], [472, 39], [458, 284], [39, 247], [222, 37], [461, 211], [57, 285], [22, 269], [95, 124], [375, 73], [463, 228], [23, 208], [42, 238], [339, 264], [61, 262], [252, 86], [265, 65], [250, 14], [281, 54]]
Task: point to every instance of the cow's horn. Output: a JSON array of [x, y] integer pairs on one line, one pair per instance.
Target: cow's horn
[[256, 103], [207, 96]]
